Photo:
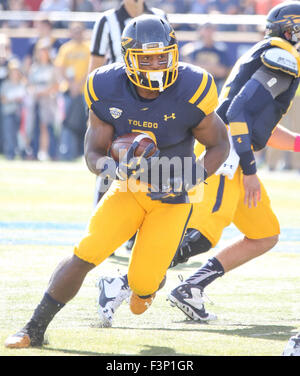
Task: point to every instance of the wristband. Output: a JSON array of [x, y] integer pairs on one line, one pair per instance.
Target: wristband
[[247, 163], [297, 144]]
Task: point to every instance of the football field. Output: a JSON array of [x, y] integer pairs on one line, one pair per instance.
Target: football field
[[44, 210]]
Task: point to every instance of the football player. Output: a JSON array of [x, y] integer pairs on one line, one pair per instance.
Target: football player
[[106, 48], [175, 104], [256, 95]]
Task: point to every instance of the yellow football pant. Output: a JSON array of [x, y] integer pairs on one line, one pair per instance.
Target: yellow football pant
[[223, 204], [118, 216]]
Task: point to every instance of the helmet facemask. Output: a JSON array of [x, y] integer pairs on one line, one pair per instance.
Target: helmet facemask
[[152, 79], [294, 31], [283, 21]]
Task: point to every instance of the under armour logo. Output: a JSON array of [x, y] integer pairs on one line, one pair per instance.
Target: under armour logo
[[166, 117]]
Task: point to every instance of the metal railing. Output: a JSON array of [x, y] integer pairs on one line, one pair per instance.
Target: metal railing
[[175, 19], [186, 18]]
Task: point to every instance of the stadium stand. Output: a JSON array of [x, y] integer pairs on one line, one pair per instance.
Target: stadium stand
[[237, 26]]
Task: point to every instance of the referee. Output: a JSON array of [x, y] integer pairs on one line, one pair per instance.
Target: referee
[[106, 48]]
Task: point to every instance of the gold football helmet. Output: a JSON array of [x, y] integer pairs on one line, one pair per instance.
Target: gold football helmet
[[144, 37]]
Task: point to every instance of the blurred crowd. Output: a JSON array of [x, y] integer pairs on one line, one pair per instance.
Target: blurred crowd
[[217, 6], [43, 113], [42, 109], [170, 6]]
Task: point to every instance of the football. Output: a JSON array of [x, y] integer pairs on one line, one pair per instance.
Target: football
[[120, 145]]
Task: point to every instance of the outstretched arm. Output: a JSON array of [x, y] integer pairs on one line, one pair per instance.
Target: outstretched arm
[[284, 139], [256, 97]]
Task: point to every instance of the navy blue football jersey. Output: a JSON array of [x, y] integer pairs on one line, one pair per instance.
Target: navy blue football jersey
[[168, 119], [264, 116]]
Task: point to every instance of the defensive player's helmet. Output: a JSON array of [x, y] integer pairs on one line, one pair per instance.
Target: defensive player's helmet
[[146, 35], [284, 17]]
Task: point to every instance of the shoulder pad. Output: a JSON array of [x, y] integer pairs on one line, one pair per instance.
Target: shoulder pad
[[106, 77], [277, 58], [204, 92], [89, 92]]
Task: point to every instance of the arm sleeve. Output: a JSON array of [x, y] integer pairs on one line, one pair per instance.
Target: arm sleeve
[[206, 96], [90, 95], [251, 99]]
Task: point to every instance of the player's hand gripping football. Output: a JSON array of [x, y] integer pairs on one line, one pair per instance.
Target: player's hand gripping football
[[179, 185], [106, 167], [130, 165]]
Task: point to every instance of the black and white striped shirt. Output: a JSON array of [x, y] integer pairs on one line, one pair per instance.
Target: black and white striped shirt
[[107, 31]]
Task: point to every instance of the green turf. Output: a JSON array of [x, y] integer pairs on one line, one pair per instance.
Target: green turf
[[57, 191], [257, 304]]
